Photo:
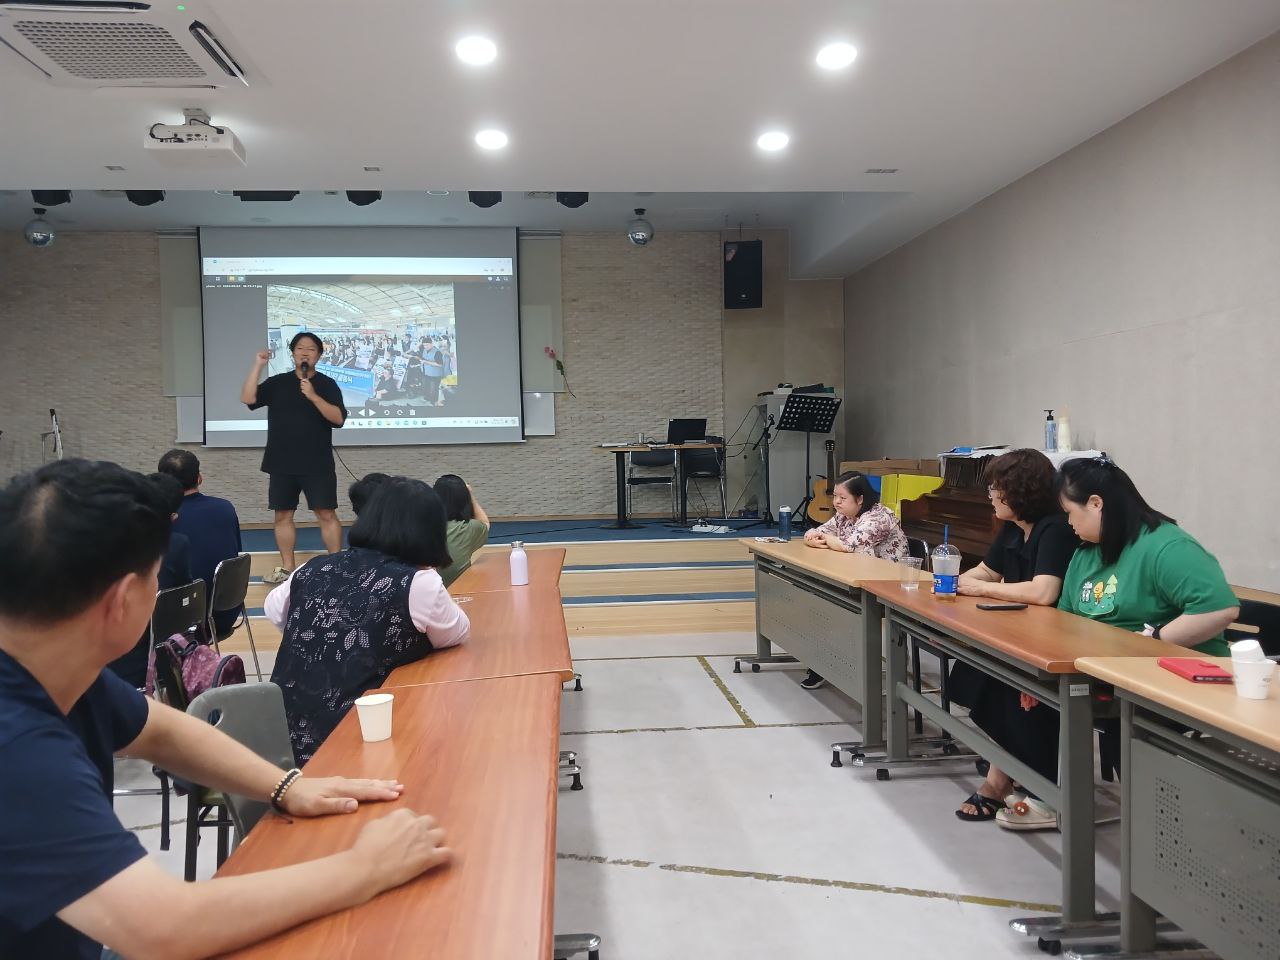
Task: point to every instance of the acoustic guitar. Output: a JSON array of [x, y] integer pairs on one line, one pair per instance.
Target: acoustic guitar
[[820, 509]]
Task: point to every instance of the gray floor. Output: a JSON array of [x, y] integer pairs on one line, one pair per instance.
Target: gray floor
[[713, 826]]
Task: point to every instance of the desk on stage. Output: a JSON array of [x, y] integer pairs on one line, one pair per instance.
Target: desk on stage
[[1200, 834], [1035, 651], [620, 469], [490, 571], [479, 757]]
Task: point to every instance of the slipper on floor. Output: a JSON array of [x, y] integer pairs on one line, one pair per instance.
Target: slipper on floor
[[987, 808], [1028, 814]]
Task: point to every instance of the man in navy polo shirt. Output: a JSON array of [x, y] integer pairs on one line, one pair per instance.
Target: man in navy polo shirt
[[80, 546], [210, 523]]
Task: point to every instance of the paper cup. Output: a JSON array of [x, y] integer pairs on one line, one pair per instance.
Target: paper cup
[[1248, 650], [375, 716], [1253, 678]]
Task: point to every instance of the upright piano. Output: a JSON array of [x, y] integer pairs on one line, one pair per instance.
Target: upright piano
[[961, 504]]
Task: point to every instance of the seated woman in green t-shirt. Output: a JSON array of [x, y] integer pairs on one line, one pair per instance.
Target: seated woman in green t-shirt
[[468, 528], [1137, 570]]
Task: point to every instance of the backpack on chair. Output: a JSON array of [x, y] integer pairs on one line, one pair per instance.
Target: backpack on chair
[[181, 668]]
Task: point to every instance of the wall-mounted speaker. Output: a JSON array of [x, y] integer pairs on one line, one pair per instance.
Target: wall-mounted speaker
[[743, 274]]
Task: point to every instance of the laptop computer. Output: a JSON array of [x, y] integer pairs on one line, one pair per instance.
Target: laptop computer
[[691, 430]]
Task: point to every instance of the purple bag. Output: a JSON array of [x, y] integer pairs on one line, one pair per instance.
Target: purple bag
[[189, 669]]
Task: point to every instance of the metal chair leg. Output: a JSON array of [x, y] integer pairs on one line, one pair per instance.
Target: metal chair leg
[[571, 944], [253, 647], [193, 837], [164, 809], [915, 683]]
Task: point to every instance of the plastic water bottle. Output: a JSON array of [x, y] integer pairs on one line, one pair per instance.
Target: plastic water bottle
[[784, 523], [946, 568], [519, 565]]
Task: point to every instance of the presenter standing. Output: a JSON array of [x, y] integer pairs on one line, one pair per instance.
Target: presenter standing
[[303, 407]]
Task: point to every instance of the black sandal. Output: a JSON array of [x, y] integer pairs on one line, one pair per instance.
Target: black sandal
[[987, 808]]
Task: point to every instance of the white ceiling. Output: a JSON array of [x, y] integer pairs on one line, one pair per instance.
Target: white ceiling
[[662, 95]]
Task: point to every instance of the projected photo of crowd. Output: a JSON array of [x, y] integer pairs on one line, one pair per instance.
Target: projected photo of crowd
[[391, 345]]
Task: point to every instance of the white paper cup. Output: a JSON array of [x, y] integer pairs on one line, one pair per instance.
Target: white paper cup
[[375, 716], [1253, 678], [1248, 650]]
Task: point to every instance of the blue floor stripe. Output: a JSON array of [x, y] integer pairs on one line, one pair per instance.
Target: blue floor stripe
[[632, 598], [534, 531], [670, 565]]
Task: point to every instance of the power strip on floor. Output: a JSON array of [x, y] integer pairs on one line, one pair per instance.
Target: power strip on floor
[[708, 528]]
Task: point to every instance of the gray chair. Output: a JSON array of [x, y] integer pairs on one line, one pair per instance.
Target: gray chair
[[253, 714], [230, 587], [649, 460]]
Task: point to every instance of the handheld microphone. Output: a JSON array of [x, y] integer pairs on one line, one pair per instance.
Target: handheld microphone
[[306, 368]]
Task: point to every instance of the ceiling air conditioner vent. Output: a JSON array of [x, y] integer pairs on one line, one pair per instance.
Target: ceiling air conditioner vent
[[882, 170], [117, 45]]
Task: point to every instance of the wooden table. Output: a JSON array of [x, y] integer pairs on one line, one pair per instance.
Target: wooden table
[[481, 758], [1199, 838], [491, 570], [809, 602], [514, 632], [1033, 650], [620, 471]]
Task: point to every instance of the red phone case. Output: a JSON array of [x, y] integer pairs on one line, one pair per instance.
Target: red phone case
[[1197, 671]]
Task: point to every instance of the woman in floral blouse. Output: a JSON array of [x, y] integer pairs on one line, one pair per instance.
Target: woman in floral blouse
[[862, 524]]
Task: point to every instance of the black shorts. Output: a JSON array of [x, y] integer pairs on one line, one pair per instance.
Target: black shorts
[[321, 490]]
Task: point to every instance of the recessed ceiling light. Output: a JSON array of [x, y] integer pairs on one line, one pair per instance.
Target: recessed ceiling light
[[476, 51], [114, 168], [491, 139], [836, 56], [437, 193], [773, 140], [372, 169]]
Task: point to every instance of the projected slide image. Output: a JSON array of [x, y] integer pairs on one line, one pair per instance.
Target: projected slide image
[[391, 344]]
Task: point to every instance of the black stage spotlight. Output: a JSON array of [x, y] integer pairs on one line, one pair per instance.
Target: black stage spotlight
[[50, 198], [144, 198], [362, 198], [571, 200], [485, 198], [265, 195]]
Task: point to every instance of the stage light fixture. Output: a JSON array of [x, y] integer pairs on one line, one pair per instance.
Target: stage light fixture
[[485, 198], [275, 196], [362, 198], [571, 200], [50, 198], [144, 198]]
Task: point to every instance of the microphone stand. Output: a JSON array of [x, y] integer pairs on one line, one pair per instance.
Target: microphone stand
[[56, 433]]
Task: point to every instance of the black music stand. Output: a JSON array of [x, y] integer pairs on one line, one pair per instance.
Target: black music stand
[[808, 413]]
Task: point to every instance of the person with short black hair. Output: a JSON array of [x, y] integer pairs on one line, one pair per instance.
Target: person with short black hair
[[175, 571], [360, 492], [303, 409], [80, 547], [860, 524], [210, 523], [468, 528], [384, 590]]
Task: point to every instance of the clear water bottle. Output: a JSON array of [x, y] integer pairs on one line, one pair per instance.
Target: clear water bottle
[[946, 570], [784, 523], [519, 565]]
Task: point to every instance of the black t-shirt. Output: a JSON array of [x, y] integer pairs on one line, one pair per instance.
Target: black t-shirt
[[299, 439], [1047, 552], [59, 837]]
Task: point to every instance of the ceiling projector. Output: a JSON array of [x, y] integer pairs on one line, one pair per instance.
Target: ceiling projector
[[197, 138]]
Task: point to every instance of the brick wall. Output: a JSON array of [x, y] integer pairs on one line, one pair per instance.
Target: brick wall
[[80, 324]]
